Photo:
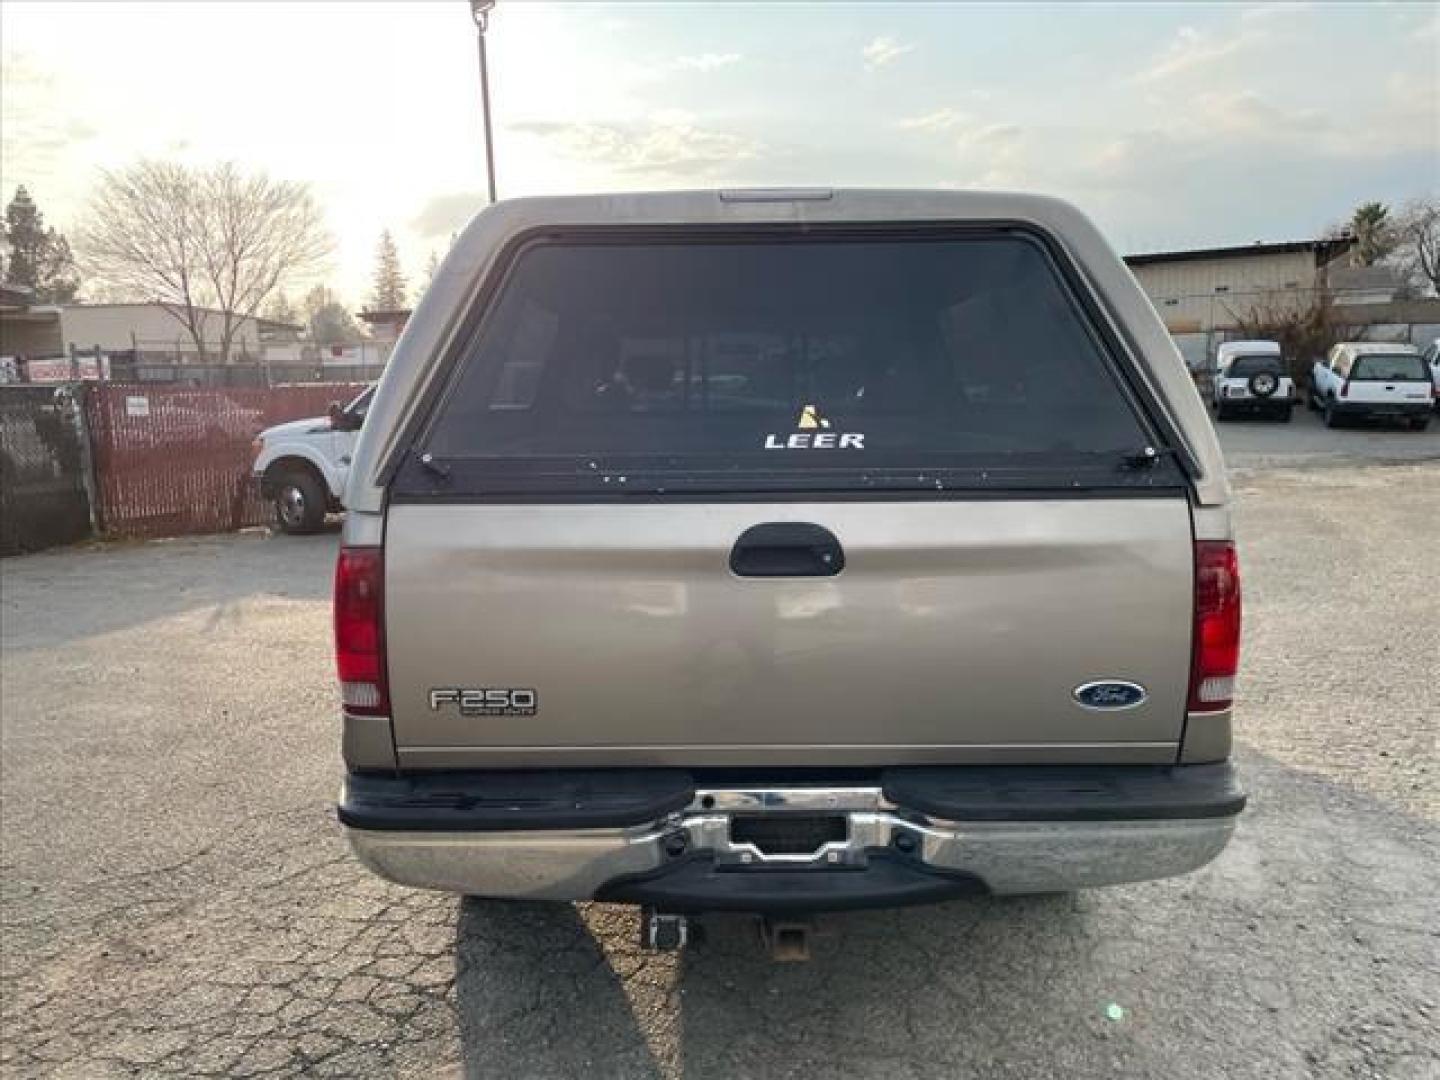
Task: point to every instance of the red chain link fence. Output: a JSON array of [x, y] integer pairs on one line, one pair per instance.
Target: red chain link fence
[[171, 461]]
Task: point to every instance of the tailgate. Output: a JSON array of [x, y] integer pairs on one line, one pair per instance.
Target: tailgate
[[957, 631], [1408, 392], [797, 496]]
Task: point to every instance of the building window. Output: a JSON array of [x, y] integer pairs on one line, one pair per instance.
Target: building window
[[1222, 288]]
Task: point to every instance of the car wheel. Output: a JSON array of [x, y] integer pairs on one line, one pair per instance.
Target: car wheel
[[1263, 384], [299, 503]]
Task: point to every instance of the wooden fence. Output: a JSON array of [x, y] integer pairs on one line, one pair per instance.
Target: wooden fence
[[173, 461]]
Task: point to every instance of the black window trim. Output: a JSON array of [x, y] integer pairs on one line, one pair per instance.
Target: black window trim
[[1118, 351]]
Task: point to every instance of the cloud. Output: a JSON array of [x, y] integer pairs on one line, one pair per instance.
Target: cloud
[[939, 120], [991, 135], [42, 133], [704, 61], [1190, 49], [1245, 112], [670, 144], [646, 72], [1226, 132], [995, 156], [443, 215], [883, 50]]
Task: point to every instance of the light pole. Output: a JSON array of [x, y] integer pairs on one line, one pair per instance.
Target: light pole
[[480, 12]]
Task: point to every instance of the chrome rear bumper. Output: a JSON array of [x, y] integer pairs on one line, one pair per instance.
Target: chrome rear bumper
[[1004, 856]]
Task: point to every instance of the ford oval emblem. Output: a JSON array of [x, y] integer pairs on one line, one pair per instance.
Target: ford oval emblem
[[1110, 694]]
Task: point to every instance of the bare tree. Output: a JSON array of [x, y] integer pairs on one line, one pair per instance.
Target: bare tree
[[1418, 233], [206, 244], [1304, 328]]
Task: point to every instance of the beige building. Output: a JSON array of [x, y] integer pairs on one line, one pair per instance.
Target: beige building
[[151, 329], [148, 330], [1216, 288]]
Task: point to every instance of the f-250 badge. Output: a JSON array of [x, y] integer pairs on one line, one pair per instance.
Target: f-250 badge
[[485, 700]]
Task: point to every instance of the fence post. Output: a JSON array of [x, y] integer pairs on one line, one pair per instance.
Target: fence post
[[80, 415]]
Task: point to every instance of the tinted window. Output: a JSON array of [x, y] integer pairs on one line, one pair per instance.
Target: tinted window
[[921, 351], [1381, 368], [1242, 367]]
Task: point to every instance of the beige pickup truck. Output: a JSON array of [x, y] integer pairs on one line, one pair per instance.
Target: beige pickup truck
[[785, 551]]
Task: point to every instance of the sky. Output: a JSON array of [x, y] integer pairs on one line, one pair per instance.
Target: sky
[[1173, 125]]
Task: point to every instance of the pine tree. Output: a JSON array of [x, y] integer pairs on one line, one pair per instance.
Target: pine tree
[[40, 258], [389, 294], [1373, 232]]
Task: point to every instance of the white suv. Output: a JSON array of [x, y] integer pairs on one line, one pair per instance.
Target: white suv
[[1250, 378], [302, 466]]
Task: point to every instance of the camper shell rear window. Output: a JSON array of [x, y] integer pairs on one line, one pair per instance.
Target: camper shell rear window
[[1389, 367], [1242, 367], [671, 364]]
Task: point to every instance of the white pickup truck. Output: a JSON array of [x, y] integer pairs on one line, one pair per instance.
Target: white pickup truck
[[301, 466], [1373, 380], [1431, 357]]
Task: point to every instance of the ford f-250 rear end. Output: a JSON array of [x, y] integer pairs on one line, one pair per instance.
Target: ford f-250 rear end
[[786, 551]]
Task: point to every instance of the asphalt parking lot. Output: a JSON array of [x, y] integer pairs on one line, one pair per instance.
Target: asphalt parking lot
[[1305, 442], [177, 900]]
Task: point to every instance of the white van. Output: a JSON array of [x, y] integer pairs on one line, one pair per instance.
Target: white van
[[1250, 377]]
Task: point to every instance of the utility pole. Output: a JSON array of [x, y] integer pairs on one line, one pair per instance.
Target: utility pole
[[480, 12]]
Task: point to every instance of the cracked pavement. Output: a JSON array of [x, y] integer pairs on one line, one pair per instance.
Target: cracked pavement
[[175, 898]]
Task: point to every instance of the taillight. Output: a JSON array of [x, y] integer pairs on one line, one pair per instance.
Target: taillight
[[360, 630], [1217, 626]]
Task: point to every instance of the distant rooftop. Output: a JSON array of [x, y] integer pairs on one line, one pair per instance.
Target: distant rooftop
[[1324, 250], [198, 307]]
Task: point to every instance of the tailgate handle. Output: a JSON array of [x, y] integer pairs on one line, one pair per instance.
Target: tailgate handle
[[787, 549]]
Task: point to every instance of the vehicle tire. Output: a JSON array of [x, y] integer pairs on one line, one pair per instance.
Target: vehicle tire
[[299, 502], [1263, 384], [1332, 418], [1420, 423]]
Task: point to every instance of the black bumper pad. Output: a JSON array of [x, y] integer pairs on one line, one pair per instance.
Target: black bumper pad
[[697, 885], [499, 800], [1066, 792], [478, 801]]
